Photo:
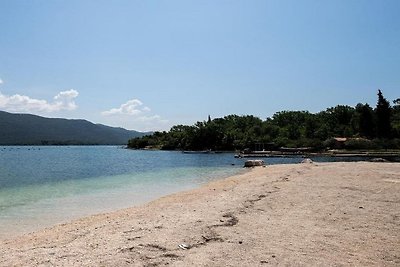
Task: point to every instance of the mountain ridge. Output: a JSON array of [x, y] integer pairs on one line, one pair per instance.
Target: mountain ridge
[[29, 129]]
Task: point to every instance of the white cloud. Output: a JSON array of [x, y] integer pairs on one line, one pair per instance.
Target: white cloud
[[135, 115], [147, 109], [133, 107], [21, 103], [1, 81], [65, 100]]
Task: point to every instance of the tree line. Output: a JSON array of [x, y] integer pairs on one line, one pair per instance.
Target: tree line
[[366, 127]]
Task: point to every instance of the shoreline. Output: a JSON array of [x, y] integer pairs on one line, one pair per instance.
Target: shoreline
[[49, 212], [297, 214]]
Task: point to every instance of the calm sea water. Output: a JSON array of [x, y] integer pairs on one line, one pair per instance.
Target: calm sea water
[[43, 186]]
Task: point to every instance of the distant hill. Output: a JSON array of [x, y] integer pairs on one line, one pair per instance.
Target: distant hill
[[27, 129]]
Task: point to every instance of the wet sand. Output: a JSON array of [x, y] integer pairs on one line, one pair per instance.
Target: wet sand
[[320, 214]]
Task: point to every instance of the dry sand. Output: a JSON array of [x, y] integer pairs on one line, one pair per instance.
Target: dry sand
[[321, 214]]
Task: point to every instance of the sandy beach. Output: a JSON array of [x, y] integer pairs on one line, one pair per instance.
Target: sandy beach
[[314, 214]]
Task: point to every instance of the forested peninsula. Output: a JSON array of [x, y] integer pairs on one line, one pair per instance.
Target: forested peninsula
[[359, 127]]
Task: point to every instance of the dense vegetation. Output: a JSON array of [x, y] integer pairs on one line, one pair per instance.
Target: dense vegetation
[[366, 128], [26, 129]]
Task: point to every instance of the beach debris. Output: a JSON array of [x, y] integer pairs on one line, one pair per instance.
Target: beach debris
[[307, 161], [254, 163], [184, 246]]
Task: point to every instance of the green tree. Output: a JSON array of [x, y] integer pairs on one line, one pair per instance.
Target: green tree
[[383, 113], [363, 121], [338, 120], [311, 126], [396, 118]]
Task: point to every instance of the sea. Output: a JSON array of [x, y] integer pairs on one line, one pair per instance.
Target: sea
[[41, 186]]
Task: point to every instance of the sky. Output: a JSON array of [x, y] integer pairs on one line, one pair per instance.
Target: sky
[[149, 65]]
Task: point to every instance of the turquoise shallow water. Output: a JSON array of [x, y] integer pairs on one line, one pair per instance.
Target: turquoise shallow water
[[43, 186]]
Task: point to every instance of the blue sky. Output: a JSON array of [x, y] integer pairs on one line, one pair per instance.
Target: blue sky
[[148, 65]]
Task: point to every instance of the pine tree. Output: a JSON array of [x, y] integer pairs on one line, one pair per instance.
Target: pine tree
[[383, 112]]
